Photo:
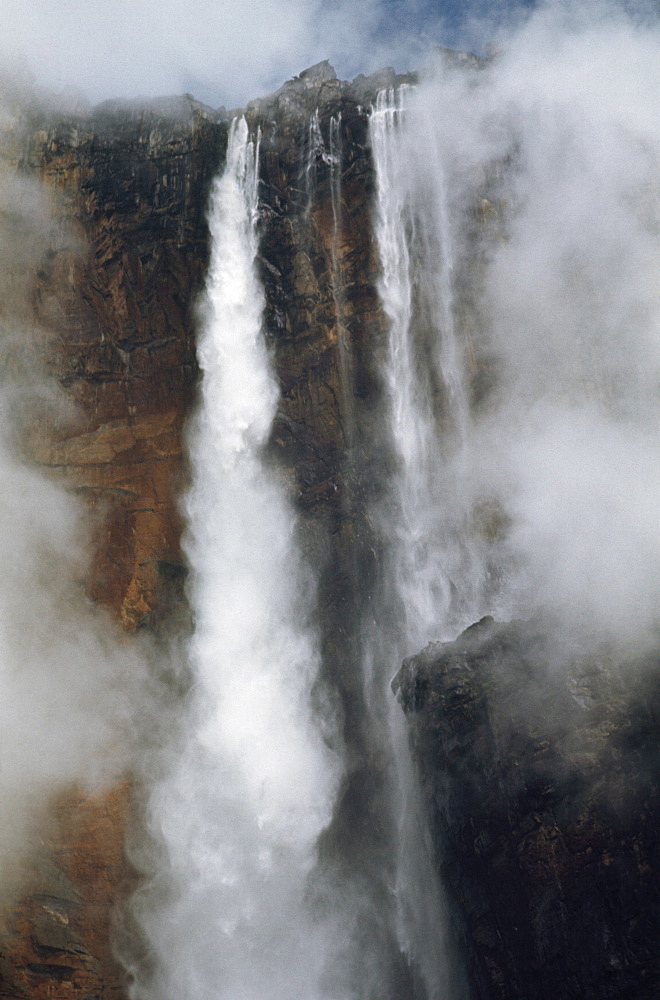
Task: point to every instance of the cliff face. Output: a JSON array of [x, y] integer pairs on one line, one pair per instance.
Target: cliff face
[[541, 780], [112, 295], [113, 292], [133, 185]]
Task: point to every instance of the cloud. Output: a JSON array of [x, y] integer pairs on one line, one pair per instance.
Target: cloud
[[560, 134], [571, 306], [224, 51]]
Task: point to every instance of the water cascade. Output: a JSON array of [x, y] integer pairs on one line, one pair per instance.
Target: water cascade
[[240, 809], [432, 574], [476, 510], [560, 377], [438, 576]]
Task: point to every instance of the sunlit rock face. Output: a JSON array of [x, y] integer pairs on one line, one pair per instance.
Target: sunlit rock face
[[111, 285], [114, 292], [130, 184], [540, 775]]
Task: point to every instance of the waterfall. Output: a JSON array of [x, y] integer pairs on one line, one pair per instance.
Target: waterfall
[[313, 151], [240, 809], [432, 571], [438, 574]]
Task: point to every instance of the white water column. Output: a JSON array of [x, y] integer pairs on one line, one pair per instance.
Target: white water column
[[242, 805], [436, 569]]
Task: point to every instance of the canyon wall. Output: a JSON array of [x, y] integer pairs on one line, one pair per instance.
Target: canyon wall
[[112, 294]]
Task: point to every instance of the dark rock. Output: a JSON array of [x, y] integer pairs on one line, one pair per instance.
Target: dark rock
[[540, 775]]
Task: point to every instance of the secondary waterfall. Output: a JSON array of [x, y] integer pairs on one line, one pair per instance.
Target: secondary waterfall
[[242, 805], [438, 575], [485, 473], [432, 572]]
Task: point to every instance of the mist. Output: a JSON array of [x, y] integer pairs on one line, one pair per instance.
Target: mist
[[224, 53], [73, 690], [555, 143]]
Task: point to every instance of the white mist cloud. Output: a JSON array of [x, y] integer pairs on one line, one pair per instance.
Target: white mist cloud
[[570, 305], [67, 684], [225, 52]]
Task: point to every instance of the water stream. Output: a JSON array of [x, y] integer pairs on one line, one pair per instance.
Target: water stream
[[242, 806]]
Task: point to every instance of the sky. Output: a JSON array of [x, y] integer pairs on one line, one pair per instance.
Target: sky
[[226, 52]]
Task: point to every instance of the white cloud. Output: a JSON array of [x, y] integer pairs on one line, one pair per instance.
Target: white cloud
[[226, 51]]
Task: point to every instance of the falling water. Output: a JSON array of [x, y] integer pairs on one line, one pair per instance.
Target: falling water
[[432, 570], [313, 151], [334, 157], [438, 572], [240, 810]]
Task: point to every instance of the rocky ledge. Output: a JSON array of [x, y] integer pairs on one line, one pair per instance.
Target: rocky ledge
[[540, 775]]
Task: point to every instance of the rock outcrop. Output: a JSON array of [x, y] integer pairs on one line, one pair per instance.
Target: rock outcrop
[[542, 781]]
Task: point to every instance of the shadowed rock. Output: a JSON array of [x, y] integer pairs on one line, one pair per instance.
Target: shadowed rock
[[540, 775]]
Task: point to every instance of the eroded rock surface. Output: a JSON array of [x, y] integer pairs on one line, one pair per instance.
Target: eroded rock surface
[[541, 778], [109, 300]]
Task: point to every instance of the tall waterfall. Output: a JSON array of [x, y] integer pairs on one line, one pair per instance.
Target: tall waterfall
[[241, 807], [433, 576], [515, 502]]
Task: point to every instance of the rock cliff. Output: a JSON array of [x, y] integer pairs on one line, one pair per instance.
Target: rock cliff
[[541, 780], [111, 290]]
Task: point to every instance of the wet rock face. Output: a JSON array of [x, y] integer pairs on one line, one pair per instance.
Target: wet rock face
[[541, 779], [324, 324], [56, 940]]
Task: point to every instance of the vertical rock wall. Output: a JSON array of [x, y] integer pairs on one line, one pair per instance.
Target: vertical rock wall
[[541, 780], [113, 297]]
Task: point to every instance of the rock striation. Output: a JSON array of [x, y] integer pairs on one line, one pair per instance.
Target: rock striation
[[109, 298], [541, 777]]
